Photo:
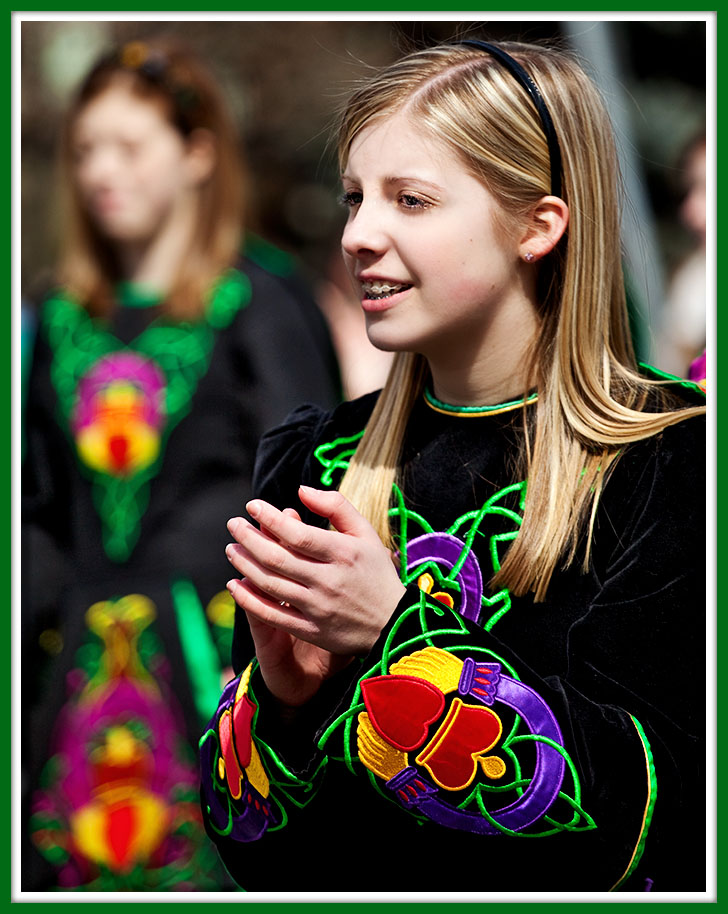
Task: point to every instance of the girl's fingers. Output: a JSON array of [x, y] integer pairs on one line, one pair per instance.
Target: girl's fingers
[[291, 512], [273, 583], [304, 539], [332, 505], [269, 553], [270, 611]]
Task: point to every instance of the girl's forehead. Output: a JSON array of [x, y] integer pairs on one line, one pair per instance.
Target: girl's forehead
[[398, 141], [119, 106]]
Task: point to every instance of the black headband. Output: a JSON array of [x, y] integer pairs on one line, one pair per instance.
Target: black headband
[[530, 86]]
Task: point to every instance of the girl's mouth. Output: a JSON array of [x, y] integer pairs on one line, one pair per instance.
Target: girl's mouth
[[376, 290]]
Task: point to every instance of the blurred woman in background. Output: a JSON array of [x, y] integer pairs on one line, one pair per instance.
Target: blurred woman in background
[[161, 357]]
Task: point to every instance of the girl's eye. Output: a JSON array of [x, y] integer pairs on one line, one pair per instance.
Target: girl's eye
[[351, 198], [129, 148], [409, 201]]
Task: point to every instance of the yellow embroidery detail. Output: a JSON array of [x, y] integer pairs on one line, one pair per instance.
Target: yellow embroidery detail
[[244, 682], [493, 767], [375, 753], [256, 773], [439, 667], [119, 623]]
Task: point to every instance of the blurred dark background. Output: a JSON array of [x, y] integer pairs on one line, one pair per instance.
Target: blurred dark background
[[284, 79]]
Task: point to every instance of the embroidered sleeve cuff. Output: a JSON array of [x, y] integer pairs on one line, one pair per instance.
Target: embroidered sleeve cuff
[[246, 785]]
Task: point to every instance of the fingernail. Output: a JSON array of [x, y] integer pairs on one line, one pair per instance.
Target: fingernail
[[231, 585], [232, 524], [229, 550], [253, 508], [308, 488]]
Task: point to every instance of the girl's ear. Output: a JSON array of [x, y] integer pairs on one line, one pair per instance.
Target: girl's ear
[[548, 222], [201, 156]]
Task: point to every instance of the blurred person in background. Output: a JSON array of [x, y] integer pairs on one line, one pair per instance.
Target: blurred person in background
[[160, 358], [683, 329]]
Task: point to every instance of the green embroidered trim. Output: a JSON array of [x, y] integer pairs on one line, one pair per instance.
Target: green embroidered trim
[[466, 528], [181, 351], [475, 412], [134, 295], [335, 455], [198, 648], [664, 375], [649, 806], [268, 256]]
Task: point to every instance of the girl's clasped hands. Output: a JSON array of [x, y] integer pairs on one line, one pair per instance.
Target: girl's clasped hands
[[314, 598]]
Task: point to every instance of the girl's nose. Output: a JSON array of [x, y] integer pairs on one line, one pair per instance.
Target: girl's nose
[[98, 165], [363, 233]]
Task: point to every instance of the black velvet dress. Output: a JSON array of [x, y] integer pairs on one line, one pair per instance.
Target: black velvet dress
[[487, 743], [140, 439]]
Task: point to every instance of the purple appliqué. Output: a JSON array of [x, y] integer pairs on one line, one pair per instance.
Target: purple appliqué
[[479, 680], [484, 682], [446, 549], [125, 366], [246, 819], [415, 790]]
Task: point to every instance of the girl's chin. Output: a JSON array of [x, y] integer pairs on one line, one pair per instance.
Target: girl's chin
[[387, 340]]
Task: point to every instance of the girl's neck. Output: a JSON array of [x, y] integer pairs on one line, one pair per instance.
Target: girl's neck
[[495, 369], [155, 263]]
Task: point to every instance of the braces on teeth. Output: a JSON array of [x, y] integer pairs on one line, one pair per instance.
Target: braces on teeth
[[375, 290]]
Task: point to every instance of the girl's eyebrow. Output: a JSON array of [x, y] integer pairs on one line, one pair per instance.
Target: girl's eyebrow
[[406, 179], [403, 179]]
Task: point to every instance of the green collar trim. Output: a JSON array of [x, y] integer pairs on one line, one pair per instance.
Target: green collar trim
[[473, 412], [134, 295], [660, 375]]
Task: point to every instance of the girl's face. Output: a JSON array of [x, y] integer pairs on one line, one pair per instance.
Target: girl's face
[[130, 165], [435, 267]]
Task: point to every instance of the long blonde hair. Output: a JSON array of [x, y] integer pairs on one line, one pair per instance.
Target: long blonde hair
[[166, 72], [590, 393]]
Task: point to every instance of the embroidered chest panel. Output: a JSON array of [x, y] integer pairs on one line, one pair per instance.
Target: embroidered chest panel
[[118, 403], [440, 725], [445, 563]]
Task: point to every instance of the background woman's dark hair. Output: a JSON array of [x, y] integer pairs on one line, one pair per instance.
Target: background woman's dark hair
[[165, 72]]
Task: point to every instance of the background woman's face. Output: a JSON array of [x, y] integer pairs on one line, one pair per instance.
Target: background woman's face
[[129, 165]]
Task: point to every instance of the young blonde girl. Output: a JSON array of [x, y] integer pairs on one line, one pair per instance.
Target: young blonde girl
[[477, 660]]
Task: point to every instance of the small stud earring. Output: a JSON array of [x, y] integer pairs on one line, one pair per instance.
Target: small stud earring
[[529, 257]]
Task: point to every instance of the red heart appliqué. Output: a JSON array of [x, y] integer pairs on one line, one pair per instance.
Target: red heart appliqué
[[401, 708], [452, 754]]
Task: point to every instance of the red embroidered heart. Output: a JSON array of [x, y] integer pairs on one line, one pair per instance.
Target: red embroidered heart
[[452, 754], [243, 712], [401, 708], [233, 774]]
